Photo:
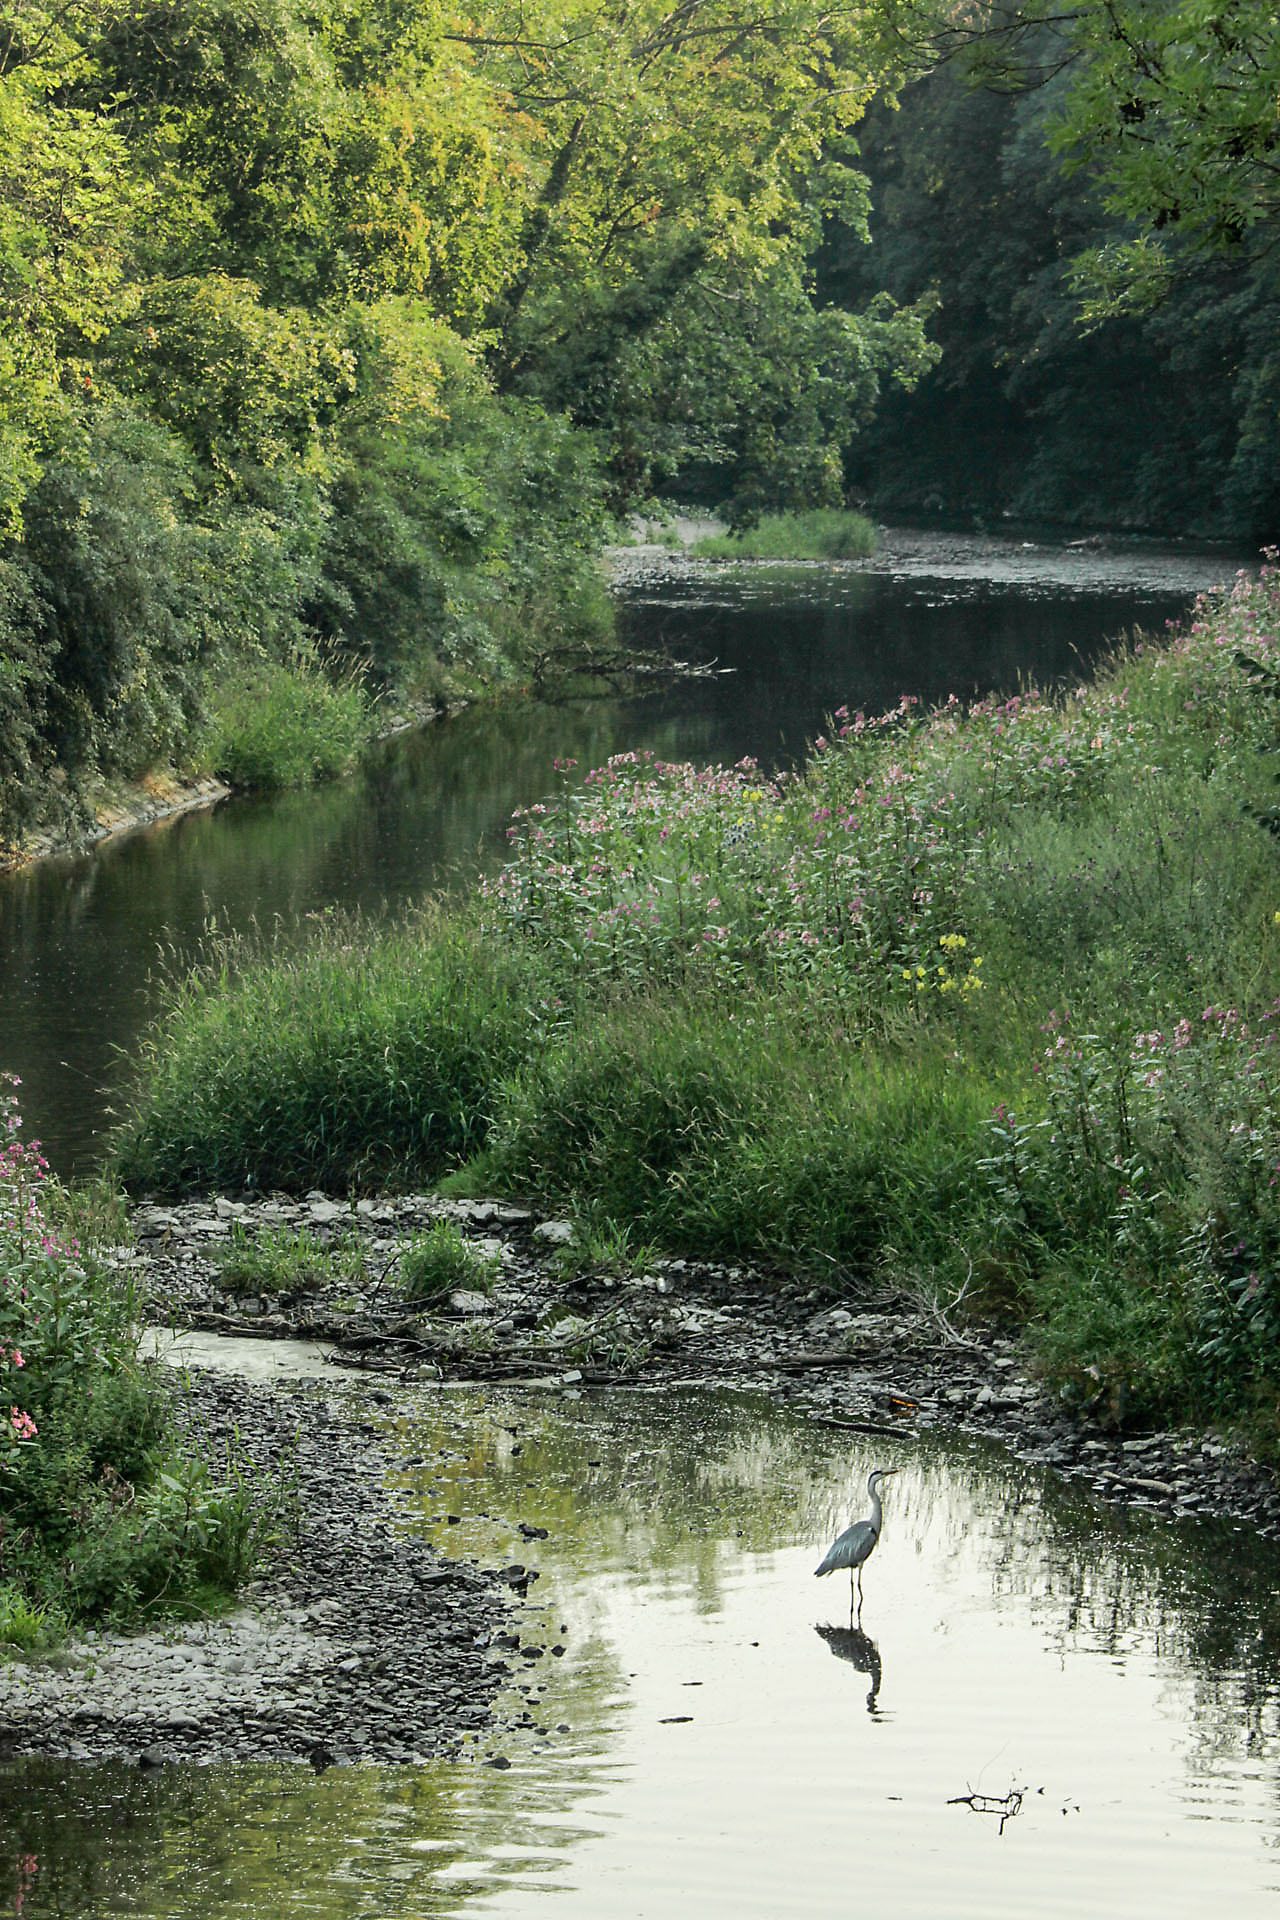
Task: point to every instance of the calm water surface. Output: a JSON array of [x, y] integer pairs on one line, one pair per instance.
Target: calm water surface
[[716, 1738], [80, 938]]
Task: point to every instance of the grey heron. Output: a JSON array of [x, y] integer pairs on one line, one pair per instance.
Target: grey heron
[[854, 1547]]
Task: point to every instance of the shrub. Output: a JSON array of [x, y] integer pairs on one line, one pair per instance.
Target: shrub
[[370, 1055], [760, 1128], [824, 533], [101, 1510], [285, 1260], [274, 724]]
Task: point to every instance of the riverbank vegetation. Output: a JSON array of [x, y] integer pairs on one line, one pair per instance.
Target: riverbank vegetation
[[338, 333], [335, 337], [824, 533], [981, 1005], [107, 1511]]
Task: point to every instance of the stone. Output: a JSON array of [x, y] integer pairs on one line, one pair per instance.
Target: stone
[[554, 1233], [469, 1303]]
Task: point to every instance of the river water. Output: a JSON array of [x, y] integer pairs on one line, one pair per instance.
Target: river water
[[699, 1729], [80, 938]]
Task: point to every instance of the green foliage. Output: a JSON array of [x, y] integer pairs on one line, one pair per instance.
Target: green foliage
[[25, 1626], [442, 1259], [337, 323], [121, 574], [102, 1511], [285, 725], [971, 203], [1173, 109], [477, 525], [318, 1067], [821, 534], [283, 1260], [764, 1130]]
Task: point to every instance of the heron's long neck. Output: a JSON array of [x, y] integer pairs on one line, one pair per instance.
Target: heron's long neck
[[875, 1508]]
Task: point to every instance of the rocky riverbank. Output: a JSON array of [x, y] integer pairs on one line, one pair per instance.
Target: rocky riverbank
[[362, 1643], [555, 1315], [366, 1643]]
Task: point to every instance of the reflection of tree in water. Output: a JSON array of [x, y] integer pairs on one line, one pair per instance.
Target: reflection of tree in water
[[1203, 1596], [81, 1841], [671, 1488]]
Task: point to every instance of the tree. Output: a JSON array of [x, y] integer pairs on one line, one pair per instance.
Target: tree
[[1175, 108]]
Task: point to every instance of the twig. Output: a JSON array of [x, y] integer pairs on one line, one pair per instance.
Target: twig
[[1005, 1806]]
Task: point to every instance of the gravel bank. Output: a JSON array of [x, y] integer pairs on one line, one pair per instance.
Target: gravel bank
[[365, 1643], [549, 1316]]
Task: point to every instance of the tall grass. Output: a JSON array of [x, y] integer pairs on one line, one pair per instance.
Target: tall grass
[[824, 533], [274, 725], [752, 1129], [360, 1059]]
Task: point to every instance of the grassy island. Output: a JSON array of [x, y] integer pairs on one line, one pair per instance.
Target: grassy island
[[982, 1004], [824, 533]]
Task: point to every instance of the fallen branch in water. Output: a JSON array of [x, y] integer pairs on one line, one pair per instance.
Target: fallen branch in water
[[618, 667], [1004, 1806]]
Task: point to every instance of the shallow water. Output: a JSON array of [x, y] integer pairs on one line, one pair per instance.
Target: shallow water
[[715, 1738], [931, 615]]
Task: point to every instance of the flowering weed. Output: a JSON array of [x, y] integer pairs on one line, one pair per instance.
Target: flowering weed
[[100, 1511]]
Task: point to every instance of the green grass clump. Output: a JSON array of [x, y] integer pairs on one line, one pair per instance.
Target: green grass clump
[[25, 1626], [721, 1130], [367, 1057], [442, 1260], [824, 533], [286, 1260], [274, 725]]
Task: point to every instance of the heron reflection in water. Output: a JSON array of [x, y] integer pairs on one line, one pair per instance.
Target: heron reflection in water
[[860, 1650]]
